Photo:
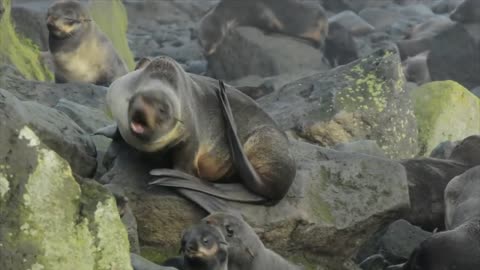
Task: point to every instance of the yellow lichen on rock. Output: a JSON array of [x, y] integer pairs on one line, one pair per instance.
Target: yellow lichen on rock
[[445, 110]]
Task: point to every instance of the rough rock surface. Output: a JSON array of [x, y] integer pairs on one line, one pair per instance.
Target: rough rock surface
[[48, 220], [247, 50], [365, 99], [439, 106], [337, 200]]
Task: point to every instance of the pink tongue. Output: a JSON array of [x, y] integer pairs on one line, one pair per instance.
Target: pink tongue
[[137, 128]]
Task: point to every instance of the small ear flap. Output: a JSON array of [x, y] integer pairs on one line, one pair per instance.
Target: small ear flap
[[143, 62]]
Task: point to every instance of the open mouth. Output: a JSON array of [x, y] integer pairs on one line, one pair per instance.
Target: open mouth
[[138, 124]]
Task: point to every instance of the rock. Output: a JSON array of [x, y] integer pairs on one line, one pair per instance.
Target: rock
[[367, 147], [337, 200], [354, 5], [444, 150], [111, 18], [379, 18], [447, 62], [140, 263], [365, 99], [476, 91], [428, 177], [466, 12], [48, 220], [375, 262], [57, 131], [445, 6], [20, 52], [352, 22], [438, 107], [416, 69], [247, 50], [49, 94]]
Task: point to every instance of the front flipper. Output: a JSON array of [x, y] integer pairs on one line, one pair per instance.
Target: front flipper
[[110, 131], [247, 173], [231, 192]]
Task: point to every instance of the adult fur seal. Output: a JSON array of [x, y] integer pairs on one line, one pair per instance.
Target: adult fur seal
[[296, 18], [204, 248], [245, 249], [80, 51], [212, 131]]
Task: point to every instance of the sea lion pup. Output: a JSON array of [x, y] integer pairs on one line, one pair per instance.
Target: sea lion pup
[[245, 249], [303, 19], [212, 131], [467, 12], [203, 247], [80, 51]]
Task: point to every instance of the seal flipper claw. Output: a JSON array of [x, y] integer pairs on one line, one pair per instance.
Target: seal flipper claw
[[110, 131]]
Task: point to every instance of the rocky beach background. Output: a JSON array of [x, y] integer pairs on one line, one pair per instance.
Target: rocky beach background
[[377, 136]]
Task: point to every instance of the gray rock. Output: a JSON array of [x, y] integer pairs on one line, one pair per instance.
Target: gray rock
[[49, 94], [476, 91], [374, 262], [31, 24], [352, 22], [140, 263], [58, 132], [364, 99], [338, 200], [247, 50], [367, 147], [445, 6], [444, 150], [354, 5]]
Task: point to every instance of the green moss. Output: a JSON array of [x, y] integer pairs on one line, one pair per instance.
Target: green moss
[[20, 51], [157, 255], [111, 17], [445, 110], [318, 206]]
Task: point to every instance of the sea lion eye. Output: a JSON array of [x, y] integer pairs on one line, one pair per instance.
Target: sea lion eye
[[205, 241], [229, 230]]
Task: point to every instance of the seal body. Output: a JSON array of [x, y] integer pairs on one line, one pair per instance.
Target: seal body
[[245, 249], [80, 51], [160, 107], [296, 18], [467, 12]]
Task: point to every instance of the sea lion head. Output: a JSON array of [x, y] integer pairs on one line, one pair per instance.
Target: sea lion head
[[204, 244], [65, 18], [243, 242], [146, 104]]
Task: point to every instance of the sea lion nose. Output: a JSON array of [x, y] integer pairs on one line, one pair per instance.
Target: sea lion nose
[[191, 247]]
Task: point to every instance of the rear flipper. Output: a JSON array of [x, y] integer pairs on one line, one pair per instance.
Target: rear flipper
[[231, 192]]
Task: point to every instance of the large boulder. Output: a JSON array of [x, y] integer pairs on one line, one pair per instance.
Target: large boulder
[[57, 131], [19, 51], [366, 99], [247, 51], [47, 219], [337, 200], [439, 106]]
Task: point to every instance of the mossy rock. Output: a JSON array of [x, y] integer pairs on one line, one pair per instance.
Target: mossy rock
[[20, 51], [445, 111], [111, 18], [47, 219]]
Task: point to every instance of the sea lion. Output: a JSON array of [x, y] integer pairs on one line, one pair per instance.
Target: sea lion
[[204, 248], [340, 47], [81, 52], [212, 131], [296, 18], [416, 69], [245, 249], [459, 246], [467, 12]]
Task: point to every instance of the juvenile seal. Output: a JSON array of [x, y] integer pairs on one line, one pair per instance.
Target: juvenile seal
[[296, 18], [80, 51], [467, 12], [245, 249], [204, 248], [212, 131], [416, 69]]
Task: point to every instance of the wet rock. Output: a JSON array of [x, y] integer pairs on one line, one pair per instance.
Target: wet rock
[[367, 147], [247, 50], [447, 62], [57, 131], [352, 22], [441, 105], [337, 200], [48, 220], [364, 99]]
